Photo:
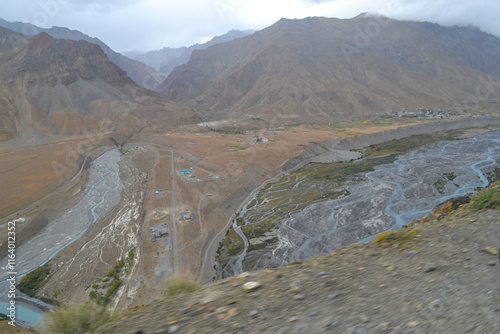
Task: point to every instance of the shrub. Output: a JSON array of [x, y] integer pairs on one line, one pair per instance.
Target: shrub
[[34, 281], [177, 285], [93, 295], [395, 237], [78, 318], [488, 198]]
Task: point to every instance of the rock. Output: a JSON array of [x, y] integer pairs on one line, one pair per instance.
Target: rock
[[364, 318], [332, 296], [293, 319], [322, 273], [251, 286], [299, 297], [173, 329], [492, 264], [232, 312], [430, 267], [412, 324], [243, 275], [254, 313], [296, 289], [437, 307], [384, 325], [490, 250]]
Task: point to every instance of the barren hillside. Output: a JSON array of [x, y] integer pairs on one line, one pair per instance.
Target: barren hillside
[[323, 69]]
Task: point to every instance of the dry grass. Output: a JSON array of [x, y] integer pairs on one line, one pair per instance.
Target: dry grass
[[179, 284], [79, 318], [395, 237]]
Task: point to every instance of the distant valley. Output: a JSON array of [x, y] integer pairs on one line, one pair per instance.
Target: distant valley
[[183, 139]]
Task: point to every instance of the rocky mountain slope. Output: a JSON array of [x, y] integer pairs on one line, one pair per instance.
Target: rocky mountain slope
[[437, 275], [166, 59], [318, 69], [66, 87], [139, 72]]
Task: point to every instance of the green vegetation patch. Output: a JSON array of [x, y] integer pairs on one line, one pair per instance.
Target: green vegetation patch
[[33, 281], [231, 245], [229, 132], [396, 238], [488, 198], [106, 287]]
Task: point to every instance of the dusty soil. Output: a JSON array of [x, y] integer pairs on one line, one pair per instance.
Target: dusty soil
[[443, 280]]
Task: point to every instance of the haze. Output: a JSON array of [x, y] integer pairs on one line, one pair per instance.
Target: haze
[[151, 24]]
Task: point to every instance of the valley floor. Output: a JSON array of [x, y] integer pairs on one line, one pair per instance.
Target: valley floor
[[171, 221], [444, 279]]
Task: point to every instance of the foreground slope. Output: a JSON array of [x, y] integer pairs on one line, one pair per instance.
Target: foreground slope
[[439, 276], [323, 69]]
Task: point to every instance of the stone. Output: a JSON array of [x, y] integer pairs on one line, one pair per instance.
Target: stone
[[243, 275], [437, 307], [412, 324], [173, 329], [384, 325], [296, 289], [299, 297], [251, 286], [490, 250], [364, 318], [254, 313], [430, 267]]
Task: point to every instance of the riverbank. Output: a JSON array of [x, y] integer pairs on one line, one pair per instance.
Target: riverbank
[[310, 229]]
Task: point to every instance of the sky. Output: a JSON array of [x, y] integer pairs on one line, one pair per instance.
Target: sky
[[144, 25]]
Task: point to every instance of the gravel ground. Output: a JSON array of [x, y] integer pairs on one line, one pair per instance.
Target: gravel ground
[[444, 280]]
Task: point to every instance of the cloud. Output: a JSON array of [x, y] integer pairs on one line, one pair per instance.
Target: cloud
[[153, 24]]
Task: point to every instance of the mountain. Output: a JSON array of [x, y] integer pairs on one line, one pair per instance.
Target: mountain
[[325, 69], [60, 86], [166, 59], [139, 72]]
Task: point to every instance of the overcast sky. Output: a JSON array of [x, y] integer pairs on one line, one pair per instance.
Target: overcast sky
[[153, 24]]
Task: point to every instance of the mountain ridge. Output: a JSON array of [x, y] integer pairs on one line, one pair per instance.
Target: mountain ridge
[[318, 69], [166, 59], [60, 86], [138, 71]]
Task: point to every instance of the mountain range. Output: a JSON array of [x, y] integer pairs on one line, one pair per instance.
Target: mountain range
[[138, 71], [296, 71], [66, 87], [166, 59], [319, 69]]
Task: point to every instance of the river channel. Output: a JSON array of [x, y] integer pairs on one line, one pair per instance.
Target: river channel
[[102, 193], [386, 198]]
